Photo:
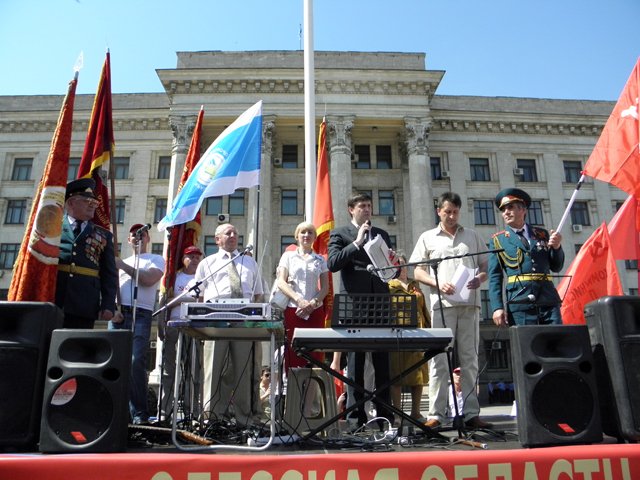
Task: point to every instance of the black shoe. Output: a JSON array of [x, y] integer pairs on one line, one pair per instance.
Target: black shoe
[[478, 423]]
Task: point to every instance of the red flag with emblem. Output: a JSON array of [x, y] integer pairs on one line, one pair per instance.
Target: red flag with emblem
[[185, 234], [99, 145], [323, 211], [36, 268], [616, 157], [591, 275]]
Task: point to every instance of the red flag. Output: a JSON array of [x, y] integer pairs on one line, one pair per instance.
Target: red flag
[[624, 229], [591, 275], [323, 211], [616, 157], [185, 234], [99, 145], [36, 268]]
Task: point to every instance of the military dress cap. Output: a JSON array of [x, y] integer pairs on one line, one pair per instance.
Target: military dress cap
[[192, 250], [511, 195], [83, 187]]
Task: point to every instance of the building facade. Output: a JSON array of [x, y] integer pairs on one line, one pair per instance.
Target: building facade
[[389, 134]]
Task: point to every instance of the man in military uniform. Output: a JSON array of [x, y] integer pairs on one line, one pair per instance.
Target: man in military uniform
[[529, 255], [87, 276]]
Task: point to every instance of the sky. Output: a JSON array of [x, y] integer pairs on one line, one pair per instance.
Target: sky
[[559, 49]]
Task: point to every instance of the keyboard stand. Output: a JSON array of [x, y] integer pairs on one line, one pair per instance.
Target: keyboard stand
[[369, 395], [272, 397]]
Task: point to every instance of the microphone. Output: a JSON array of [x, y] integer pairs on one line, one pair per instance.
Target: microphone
[[142, 229], [366, 233], [371, 268], [247, 249]]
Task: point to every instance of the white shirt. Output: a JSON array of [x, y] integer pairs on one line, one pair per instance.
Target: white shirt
[[217, 285], [146, 295], [183, 282], [304, 273]]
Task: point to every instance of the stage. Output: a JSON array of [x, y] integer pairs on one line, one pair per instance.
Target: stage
[[491, 454]]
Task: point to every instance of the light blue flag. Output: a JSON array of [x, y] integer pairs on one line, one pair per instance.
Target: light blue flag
[[231, 162]]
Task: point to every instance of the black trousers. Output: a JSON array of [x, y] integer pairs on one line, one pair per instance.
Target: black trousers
[[355, 368]]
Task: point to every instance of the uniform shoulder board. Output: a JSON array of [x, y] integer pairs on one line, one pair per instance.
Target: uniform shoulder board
[[101, 230], [498, 233]]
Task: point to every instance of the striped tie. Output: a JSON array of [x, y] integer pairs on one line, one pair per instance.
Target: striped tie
[[234, 280]]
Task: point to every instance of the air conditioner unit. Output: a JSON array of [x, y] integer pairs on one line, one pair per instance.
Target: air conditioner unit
[[277, 162], [577, 228], [444, 174], [223, 218], [518, 172], [391, 219]]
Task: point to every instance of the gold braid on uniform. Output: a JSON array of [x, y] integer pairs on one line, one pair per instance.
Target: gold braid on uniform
[[508, 260]]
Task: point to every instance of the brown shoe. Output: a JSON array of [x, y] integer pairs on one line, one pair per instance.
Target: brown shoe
[[432, 423], [478, 423]]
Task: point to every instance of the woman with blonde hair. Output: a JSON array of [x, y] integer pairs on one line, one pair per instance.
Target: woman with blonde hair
[[302, 276]]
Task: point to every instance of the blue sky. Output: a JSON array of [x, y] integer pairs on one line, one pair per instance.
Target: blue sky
[[572, 49]]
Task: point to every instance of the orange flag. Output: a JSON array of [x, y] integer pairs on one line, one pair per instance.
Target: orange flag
[[99, 145], [323, 211], [624, 230], [591, 275], [185, 234], [616, 157], [36, 268]]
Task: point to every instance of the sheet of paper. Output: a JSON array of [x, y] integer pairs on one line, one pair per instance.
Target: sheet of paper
[[378, 252], [461, 277]]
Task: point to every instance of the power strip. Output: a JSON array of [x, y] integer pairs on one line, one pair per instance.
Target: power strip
[[277, 440]]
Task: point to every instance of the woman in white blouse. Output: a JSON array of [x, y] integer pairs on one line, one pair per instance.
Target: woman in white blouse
[[303, 276]]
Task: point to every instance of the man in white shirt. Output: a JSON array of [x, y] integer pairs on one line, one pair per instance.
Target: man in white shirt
[[147, 269], [231, 367]]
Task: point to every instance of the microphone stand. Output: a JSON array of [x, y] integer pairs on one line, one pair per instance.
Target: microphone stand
[[135, 279], [458, 420], [196, 287]]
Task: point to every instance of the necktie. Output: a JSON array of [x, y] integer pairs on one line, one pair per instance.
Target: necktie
[[77, 228], [523, 239], [234, 280]]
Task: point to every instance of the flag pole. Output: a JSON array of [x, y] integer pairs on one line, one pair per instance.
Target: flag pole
[[570, 204], [309, 113]]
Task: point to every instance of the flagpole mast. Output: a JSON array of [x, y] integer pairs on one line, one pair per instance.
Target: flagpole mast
[[309, 113], [570, 204]]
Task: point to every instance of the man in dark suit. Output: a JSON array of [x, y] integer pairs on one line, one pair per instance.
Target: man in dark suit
[[87, 276], [530, 254], [347, 255]]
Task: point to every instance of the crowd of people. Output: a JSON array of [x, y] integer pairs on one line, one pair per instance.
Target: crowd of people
[[235, 385]]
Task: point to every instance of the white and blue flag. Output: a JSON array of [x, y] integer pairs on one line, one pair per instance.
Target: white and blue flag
[[231, 162]]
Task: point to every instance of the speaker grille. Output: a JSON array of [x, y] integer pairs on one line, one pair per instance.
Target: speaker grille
[[17, 394]]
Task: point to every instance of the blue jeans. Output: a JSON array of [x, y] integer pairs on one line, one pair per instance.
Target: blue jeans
[[138, 383]]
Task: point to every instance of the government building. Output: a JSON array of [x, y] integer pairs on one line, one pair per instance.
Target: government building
[[389, 134]]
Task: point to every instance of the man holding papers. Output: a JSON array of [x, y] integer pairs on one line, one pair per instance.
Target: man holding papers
[[455, 306]]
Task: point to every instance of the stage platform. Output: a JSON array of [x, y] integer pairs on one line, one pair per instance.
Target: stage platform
[[486, 454]]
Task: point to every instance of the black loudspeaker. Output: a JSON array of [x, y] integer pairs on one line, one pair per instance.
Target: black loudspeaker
[[614, 328], [554, 376], [25, 333], [85, 405]]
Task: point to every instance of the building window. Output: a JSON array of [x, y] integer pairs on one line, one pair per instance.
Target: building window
[[577, 247], [164, 167], [8, 254], [16, 211], [21, 169], [157, 248], [479, 169], [383, 157], [289, 156], [386, 202], [285, 241], [580, 214], [74, 166], [394, 242], [483, 212], [362, 157], [436, 168], [497, 354], [572, 171], [289, 202], [631, 264], [236, 203], [213, 206], [4, 294], [534, 213], [529, 172], [486, 315], [210, 246], [120, 204], [121, 168], [632, 291], [160, 209]]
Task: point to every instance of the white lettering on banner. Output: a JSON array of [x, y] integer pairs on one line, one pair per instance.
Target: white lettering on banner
[[387, 474], [559, 468], [587, 468], [264, 475], [465, 472], [223, 476], [500, 471], [433, 472], [162, 476], [530, 472]]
